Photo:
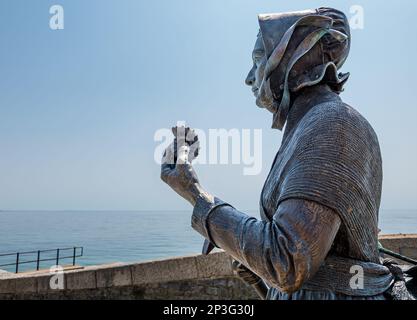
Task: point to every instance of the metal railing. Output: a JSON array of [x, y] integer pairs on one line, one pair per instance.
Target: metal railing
[[76, 253]]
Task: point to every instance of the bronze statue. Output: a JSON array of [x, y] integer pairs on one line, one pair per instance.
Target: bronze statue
[[320, 202]]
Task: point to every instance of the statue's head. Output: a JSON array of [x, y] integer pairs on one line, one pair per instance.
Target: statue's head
[[296, 50]]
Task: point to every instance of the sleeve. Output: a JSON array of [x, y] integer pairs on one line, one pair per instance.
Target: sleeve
[[285, 252]]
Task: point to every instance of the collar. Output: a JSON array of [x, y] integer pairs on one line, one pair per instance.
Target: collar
[[305, 101]]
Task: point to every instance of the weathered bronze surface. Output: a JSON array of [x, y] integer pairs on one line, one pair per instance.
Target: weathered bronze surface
[[320, 202]]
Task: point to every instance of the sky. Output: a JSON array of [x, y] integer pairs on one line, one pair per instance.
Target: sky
[[79, 107]]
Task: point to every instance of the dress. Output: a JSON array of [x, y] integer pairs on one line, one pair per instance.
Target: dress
[[329, 156]]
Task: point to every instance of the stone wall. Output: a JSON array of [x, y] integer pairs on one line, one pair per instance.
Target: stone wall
[[405, 244], [192, 277]]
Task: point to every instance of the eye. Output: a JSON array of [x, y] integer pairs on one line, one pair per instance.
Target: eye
[[256, 60], [257, 57]]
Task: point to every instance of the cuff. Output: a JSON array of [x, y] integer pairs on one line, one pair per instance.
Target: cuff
[[201, 214]]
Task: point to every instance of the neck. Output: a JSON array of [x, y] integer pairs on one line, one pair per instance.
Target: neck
[[305, 100]]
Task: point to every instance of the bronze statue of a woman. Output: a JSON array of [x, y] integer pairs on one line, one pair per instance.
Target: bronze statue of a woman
[[320, 202]]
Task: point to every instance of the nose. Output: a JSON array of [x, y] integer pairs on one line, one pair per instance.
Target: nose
[[250, 79]]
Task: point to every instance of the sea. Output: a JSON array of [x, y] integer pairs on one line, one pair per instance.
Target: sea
[[121, 236]]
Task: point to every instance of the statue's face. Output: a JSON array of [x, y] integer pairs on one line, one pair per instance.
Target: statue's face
[[256, 74]]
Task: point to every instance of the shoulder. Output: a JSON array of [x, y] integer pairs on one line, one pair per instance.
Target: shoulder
[[335, 111], [337, 119], [336, 132]]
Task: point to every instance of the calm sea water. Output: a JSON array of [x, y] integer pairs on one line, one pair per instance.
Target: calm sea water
[[125, 236]]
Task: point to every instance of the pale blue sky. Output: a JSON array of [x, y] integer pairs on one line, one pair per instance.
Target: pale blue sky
[[79, 107]]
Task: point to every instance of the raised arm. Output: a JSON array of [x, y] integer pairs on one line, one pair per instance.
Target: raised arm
[[285, 252]]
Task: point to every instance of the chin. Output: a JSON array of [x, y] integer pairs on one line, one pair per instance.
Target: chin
[[261, 104]]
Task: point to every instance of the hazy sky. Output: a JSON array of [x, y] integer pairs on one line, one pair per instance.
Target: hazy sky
[[79, 107]]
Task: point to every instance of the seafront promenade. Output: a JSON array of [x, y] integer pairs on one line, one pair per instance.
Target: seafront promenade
[[190, 277]]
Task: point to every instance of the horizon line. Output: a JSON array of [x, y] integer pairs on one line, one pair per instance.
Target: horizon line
[[142, 210]]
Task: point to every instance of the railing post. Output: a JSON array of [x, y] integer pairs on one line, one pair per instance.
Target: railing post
[[57, 257], [37, 260], [17, 262], [73, 256]]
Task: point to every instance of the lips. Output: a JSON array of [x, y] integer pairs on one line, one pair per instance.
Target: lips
[[255, 91]]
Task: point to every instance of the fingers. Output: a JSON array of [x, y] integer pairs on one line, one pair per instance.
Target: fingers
[[169, 154], [194, 143], [194, 149], [180, 134], [176, 168], [183, 153], [191, 135], [244, 273], [168, 162], [238, 267], [186, 136]]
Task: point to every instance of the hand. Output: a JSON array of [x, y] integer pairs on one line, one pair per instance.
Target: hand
[[250, 278], [244, 273], [176, 168]]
